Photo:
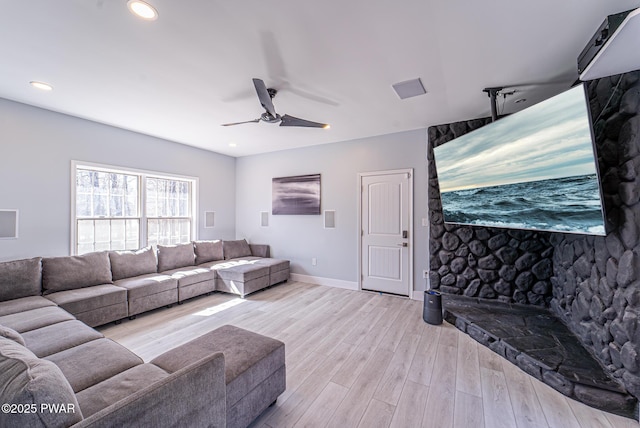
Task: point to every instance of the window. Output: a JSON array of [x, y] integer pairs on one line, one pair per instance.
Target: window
[[168, 211], [118, 209]]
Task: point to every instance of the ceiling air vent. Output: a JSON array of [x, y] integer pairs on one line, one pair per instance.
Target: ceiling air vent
[[409, 88]]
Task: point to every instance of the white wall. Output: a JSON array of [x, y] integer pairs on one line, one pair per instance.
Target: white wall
[[301, 238], [36, 150], [37, 147]]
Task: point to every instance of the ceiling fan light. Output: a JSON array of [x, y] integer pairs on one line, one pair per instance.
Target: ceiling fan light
[[142, 10], [326, 126]]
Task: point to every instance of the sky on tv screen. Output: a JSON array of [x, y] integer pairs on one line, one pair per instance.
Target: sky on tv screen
[[551, 139], [534, 170]]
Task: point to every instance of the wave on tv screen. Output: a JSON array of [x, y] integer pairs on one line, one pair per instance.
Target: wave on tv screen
[[532, 170]]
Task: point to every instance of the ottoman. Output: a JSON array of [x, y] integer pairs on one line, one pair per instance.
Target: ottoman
[[278, 269], [241, 277], [254, 367]]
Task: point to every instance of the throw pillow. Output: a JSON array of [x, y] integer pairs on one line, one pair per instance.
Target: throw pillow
[[29, 380], [11, 334]]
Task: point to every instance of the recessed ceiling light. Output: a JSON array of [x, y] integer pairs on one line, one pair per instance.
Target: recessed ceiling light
[[142, 10], [232, 144], [41, 85]]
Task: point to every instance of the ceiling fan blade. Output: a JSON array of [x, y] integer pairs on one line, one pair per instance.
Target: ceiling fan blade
[[240, 123], [294, 121], [265, 98]]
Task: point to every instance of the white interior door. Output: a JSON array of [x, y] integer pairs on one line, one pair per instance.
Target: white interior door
[[386, 226]]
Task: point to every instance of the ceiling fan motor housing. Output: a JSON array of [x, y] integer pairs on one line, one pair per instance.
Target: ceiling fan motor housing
[[267, 117]]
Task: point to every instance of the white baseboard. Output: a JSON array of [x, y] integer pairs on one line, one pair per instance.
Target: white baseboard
[[339, 283], [329, 282], [347, 285], [417, 295]]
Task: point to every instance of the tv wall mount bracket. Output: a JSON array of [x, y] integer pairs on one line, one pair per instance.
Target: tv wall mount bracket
[[493, 95]]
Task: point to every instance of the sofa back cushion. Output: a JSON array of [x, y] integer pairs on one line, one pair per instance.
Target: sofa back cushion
[[68, 273], [235, 249], [20, 278], [175, 256], [127, 264], [30, 382], [208, 251]]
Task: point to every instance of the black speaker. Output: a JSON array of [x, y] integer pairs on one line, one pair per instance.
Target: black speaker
[[432, 310]]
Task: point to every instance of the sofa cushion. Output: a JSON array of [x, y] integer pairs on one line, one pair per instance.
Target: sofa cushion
[[191, 275], [208, 251], [146, 285], [20, 278], [125, 264], [92, 362], [89, 298], [68, 273], [241, 270], [210, 265], [235, 249], [24, 304], [274, 264], [35, 318], [28, 380], [58, 337], [122, 385], [175, 256], [11, 334]]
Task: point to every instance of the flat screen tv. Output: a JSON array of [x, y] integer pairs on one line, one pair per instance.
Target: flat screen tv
[[535, 169]]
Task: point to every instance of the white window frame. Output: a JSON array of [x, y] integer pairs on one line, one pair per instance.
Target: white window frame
[[143, 174]]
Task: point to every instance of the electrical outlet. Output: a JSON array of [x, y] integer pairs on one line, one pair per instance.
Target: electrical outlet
[[314, 261], [425, 274]]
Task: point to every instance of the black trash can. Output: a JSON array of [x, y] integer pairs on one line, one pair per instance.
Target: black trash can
[[432, 310]]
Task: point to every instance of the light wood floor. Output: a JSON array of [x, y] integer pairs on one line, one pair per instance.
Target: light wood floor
[[357, 359]]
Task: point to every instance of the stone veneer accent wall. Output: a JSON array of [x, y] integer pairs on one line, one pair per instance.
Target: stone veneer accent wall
[[596, 280], [490, 263]]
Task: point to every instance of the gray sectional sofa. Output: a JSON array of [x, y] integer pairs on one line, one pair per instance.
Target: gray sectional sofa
[[57, 371], [98, 288]]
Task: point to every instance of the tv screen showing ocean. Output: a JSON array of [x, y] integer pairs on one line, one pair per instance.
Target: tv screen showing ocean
[[534, 169], [570, 204]]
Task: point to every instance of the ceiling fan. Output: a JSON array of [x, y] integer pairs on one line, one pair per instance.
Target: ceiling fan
[[270, 116]]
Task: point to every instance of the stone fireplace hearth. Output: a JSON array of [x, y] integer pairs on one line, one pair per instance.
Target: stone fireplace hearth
[[535, 340]]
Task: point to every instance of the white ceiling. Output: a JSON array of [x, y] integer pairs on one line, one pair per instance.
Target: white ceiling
[[333, 61]]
